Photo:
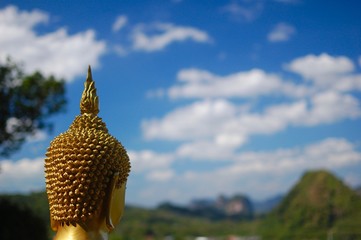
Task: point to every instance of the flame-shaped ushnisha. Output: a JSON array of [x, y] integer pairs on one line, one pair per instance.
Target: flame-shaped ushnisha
[[81, 162]]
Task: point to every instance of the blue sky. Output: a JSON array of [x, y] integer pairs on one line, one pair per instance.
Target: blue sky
[[208, 97]]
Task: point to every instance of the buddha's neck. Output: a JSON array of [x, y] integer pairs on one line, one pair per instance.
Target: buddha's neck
[[79, 233]]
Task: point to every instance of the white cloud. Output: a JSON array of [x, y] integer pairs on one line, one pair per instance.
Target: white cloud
[[146, 160], [119, 23], [322, 68], [327, 72], [199, 120], [279, 164], [161, 175], [12, 18], [259, 174], [120, 50], [155, 166], [198, 83], [349, 82], [281, 32], [37, 136], [329, 107], [329, 153], [208, 119], [163, 34], [156, 93], [13, 123], [220, 149], [152, 37], [221, 127], [23, 175], [319, 73], [56, 53], [245, 10], [195, 75], [226, 114]]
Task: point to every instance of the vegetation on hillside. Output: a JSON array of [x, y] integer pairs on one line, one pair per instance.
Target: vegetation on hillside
[[18, 222], [139, 223], [319, 206]]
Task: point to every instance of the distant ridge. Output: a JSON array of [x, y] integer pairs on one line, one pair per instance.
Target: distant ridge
[[237, 207], [266, 206], [317, 207]]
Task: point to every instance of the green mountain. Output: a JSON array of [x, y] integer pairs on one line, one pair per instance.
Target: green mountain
[[319, 206]]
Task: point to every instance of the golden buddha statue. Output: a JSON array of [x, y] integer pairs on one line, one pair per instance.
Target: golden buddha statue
[[86, 171]]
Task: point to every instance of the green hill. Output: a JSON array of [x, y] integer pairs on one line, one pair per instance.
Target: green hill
[[318, 206]]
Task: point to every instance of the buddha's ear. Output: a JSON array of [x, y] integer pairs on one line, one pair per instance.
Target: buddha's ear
[[114, 207], [53, 224]]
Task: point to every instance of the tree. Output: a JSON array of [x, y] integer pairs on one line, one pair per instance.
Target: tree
[[26, 103], [18, 222]]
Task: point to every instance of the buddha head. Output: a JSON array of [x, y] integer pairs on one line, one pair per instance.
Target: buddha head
[[86, 171]]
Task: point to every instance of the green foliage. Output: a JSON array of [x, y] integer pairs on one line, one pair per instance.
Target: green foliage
[[20, 223], [37, 202], [137, 223], [320, 204], [27, 101]]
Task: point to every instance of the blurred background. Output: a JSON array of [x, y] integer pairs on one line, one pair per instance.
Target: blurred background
[[234, 111]]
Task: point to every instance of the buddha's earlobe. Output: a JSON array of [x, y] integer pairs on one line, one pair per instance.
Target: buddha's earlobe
[[118, 204], [108, 204], [114, 206], [53, 224]]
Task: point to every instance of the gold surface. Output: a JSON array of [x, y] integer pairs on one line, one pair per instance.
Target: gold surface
[[86, 170]]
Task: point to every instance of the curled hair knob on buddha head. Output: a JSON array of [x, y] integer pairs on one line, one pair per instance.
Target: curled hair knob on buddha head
[[84, 167], [89, 103]]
